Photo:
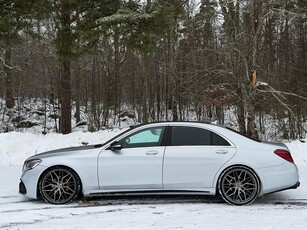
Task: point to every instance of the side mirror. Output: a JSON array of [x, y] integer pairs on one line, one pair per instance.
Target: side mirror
[[116, 146]]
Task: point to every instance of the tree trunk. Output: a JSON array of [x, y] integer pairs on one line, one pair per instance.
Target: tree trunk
[[65, 98], [241, 112], [10, 103], [65, 40], [251, 120], [77, 95], [117, 90]]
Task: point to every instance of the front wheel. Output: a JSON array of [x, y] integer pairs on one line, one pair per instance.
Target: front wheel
[[59, 185], [239, 185]]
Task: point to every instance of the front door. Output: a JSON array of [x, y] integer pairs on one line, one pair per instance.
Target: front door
[[138, 165]]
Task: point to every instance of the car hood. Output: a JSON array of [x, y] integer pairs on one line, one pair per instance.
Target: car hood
[[69, 150]]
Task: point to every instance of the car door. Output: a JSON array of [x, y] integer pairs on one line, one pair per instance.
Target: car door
[[194, 157], [138, 165]]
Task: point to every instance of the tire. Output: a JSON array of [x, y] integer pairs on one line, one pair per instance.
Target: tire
[[239, 185], [59, 185]]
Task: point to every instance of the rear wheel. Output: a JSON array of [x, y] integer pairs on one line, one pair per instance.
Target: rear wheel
[[59, 185], [239, 185]]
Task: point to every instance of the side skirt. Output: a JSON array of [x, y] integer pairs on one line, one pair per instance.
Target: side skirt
[[156, 192]]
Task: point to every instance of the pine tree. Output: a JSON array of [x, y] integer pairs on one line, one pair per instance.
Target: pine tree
[[74, 21], [14, 20]]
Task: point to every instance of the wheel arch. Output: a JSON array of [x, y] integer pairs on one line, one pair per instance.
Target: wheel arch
[[53, 167], [221, 172]]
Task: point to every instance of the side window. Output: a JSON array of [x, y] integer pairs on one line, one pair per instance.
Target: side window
[[144, 138], [218, 140], [190, 136], [196, 136]]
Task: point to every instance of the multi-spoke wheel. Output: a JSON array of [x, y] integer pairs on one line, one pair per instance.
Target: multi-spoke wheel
[[239, 185], [59, 185]]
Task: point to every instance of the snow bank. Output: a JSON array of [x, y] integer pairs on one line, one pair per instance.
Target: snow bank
[[298, 150], [15, 147]]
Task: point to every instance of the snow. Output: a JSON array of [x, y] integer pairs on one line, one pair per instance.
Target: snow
[[16, 146], [298, 150], [283, 210]]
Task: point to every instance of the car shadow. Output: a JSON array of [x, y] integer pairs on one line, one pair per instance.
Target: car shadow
[[149, 199], [273, 199]]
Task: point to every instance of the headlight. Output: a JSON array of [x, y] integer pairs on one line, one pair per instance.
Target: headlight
[[28, 165]]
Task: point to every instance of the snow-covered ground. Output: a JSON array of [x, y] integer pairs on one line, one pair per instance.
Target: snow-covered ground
[[15, 147], [283, 210]]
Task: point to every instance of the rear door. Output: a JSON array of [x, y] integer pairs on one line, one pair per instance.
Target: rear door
[[194, 157]]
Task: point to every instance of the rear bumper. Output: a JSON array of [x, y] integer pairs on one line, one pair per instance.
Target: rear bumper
[[292, 187], [279, 178], [296, 185]]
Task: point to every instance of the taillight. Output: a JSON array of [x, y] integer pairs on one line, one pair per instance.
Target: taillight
[[284, 154]]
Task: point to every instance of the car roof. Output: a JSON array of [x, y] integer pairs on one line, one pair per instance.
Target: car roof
[[176, 122], [195, 122]]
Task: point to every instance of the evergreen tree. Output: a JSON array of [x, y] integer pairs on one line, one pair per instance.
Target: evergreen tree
[[73, 21], [15, 16]]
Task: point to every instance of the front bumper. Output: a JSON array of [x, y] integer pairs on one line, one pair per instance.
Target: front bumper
[[22, 188], [29, 181]]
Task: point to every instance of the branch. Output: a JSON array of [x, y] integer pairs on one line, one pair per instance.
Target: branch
[[245, 62], [283, 11], [280, 92], [3, 62], [274, 92], [284, 104]]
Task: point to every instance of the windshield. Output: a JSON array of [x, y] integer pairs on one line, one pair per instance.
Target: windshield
[[120, 134]]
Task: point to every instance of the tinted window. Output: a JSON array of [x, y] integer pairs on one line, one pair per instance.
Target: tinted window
[[196, 136], [218, 140], [144, 138]]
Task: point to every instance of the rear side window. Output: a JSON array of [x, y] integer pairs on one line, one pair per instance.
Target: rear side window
[[218, 140], [196, 136]]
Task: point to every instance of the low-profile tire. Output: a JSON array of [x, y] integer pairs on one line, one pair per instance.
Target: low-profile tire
[[59, 185], [239, 185]]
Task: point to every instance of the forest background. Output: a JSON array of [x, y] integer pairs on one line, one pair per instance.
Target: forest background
[[99, 62]]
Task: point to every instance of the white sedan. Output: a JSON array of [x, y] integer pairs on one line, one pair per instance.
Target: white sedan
[[163, 158]]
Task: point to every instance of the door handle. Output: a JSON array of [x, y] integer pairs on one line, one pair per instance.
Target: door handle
[[221, 151], [152, 152]]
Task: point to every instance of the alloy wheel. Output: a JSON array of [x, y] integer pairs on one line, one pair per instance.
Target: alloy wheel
[[59, 185], [239, 185]]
